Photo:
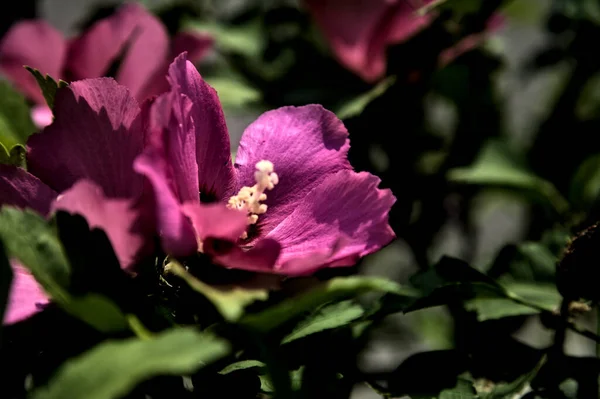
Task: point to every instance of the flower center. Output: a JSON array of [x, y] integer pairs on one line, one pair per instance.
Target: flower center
[[249, 199]]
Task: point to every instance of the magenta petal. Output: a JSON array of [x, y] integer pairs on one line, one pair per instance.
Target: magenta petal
[[25, 297], [132, 30], [260, 258], [216, 176], [21, 189], [174, 228], [216, 221], [116, 217], [340, 220], [305, 145], [37, 44], [360, 30], [173, 130], [96, 135]]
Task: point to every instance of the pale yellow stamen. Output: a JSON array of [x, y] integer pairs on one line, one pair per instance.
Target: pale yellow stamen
[[249, 199]]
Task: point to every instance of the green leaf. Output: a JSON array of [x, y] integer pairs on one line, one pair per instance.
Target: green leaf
[[15, 157], [498, 308], [328, 317], [497, 165], [524, 12], [355, 106], [336, 289], [243, 365], [4, 155], [522, 298], [463, 390], [585, 184], [6, 277], [233, 93], [230, 303], [267, 386], [15, 120], [509, 390], [98, 311], [32, 240], [114, 368], [47, 84], [532, 299], [452, 280], [29, 238]]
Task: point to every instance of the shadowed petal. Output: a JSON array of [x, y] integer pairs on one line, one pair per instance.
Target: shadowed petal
[[116, 217], [96, 135], [25, 297], [360, 30], [174, 228], [260, 258], [305, 145], [339, 221], [213, 151], [132, 32], [216, 221], [21, 189], [37, 44]]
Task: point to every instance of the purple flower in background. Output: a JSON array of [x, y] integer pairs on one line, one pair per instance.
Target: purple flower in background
[[295, 203], [132, 35], [359, 31]]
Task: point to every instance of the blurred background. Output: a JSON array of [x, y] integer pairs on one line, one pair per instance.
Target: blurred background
[[481, 117]]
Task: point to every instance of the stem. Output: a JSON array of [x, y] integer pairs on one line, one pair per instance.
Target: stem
[[561, 330], [598, 330]]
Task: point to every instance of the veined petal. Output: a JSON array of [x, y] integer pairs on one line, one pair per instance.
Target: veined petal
[[216, 176], [305, 145], [173, 131], [340, 220], [96, 135], [37, 44]]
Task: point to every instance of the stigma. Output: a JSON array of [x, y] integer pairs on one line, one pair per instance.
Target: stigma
[[249, 199]]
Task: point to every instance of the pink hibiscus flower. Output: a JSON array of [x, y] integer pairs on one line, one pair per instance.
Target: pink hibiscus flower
[[131, 33], [167, 165], [359, 31], [302, 205]]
